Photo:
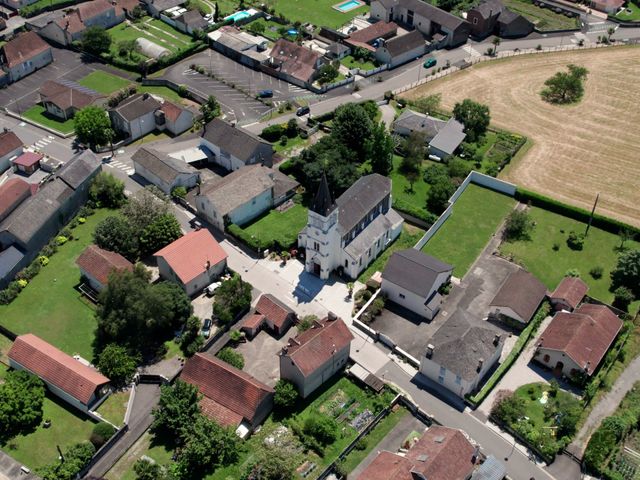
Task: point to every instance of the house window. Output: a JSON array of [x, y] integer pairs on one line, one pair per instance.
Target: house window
[[441, 378], [253, 202], [458, 380], [546, 359], [369, 252], [346, 263], [443, 371], [360, 262], [401, 295], [316, 246]]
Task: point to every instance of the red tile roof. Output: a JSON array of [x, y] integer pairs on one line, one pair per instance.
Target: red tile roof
[[231, 394], [65, 96], [28, 159], [295, 60], [584, 335], [71, 22], [441, 453], [253, 321], [171, 111], [272, 308], [571, 290], [89, 10], [314, 347], [100, 263], [9, 141], [24, 47], [12, 193], [188, 256], [56, 367], [522, 292]]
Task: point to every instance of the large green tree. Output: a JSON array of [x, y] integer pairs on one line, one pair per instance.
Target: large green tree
[[177, 410], [270, 463], [380, 148], [231, 297], [327, 74], [161, 232], [117, 364], [73, 460], [145, 207], [210, 109], [565, 87], [21, 400], [286, 394], [474, 116], [96, 40], [627, 272], [191, 341], [107, 191], [115, 234], [92, 126], [439, 195], [352, 127], [148, 470]]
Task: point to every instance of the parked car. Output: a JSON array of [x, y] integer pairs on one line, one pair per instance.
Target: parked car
[[206, 328], [265, 94], [429, 62], [210, 290], [195, 223], [208, 16], [303, 111]]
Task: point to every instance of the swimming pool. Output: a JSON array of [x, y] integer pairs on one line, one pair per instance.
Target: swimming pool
[[241, 15], [348, 5]]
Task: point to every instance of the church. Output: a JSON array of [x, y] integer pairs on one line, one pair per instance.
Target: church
[[348, 234]]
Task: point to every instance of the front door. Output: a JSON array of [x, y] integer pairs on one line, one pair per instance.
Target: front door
[[316, 268], [558, 370]]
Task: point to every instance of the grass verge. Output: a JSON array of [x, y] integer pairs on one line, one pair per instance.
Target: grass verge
[[39, 115]]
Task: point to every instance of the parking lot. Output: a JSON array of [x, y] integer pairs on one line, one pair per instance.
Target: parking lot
[[67, 65], [472, 297]]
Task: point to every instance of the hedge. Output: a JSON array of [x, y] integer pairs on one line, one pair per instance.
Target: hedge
[[40, 7], [159, 64], [529, 331], [409, 209], [576, 213]]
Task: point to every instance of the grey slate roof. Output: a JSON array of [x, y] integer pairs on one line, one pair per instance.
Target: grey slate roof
[[374, 230], [522, 292], [161, 5], [360, 198], [404, 43], [459, 346], [449, 137], [489, 8], [419, 122], [77, 170], [136, 106], [161, 165], [193, 19], [239, 142], [9, 258], [282, 183], [491, 469], [414, 271], [238, 188], [429, 11], [323, 203], [507, 17], [338, 48]]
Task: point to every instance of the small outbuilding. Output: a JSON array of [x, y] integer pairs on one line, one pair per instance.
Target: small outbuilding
[[519, 297], [568, 294], [96, 264], [151, 49]]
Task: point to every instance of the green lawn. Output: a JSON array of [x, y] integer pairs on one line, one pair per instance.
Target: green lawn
[[270, 28], [39, 448], [114, 408], [103, 82], [539, 257], [164, 92], [407, 239], [475, 218], [542, 18], [5, 346], [351, 62], [152, 29], [292, 143], [38, 114], [404, 198], [633, 13], [317, 12], [57, 312], [277, 227]]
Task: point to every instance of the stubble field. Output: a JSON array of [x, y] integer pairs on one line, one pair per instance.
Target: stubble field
[[577, 150]]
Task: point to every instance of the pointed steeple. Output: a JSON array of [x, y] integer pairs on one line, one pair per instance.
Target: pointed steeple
[[323, 204]]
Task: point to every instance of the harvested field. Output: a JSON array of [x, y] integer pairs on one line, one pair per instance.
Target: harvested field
[[577, 150]]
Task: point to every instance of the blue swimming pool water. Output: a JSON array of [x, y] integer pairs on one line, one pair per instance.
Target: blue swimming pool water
[[350, 5], [238, 16]]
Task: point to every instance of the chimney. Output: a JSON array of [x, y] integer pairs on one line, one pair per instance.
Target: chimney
[[480, 364], [331, 316], [145, 96], [496, 339], [429, 353], [208, 265]]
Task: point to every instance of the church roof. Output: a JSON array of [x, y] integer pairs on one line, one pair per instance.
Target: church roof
[[323, 203]]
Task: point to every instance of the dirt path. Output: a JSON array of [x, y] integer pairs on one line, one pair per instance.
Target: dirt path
[[606, 406], [577, 150]]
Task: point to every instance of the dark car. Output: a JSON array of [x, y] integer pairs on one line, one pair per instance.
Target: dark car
[[206, 328], [265, 94], [302, 111]]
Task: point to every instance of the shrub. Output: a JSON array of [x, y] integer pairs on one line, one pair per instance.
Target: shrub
[[286, 394], [556, 246], [61, 240], [596, 272], [518, 226], [232, 357], [622, 298], [101, 433], [22, 283], [572, 272], [44, 260], [322, 428], [273, 133], [306, 323], [575, 241], [179, 192]]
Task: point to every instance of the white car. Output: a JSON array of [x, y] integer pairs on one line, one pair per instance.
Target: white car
[[208, 16], [210, 290]]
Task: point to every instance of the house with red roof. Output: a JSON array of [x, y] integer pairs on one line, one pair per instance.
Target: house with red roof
[[66, 377], [294, 63], [12, 193], [194, 261], [441, 453], [575, 343], [568, 294], [230, 396], [315, 355], [63, 99], [96, 264], [10, 147], [269, 313], [23, 55], [28, 162]]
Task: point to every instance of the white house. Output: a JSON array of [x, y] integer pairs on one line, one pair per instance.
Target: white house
[[519, 297], [401, 49], [10, 147], [348, 234], [96, 264], [412, 279], [459, 355], [315, 355], [575, 343], [234, 147], [67, 378], [194, 261], [163, 171], [23, 55], [243, 195]]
